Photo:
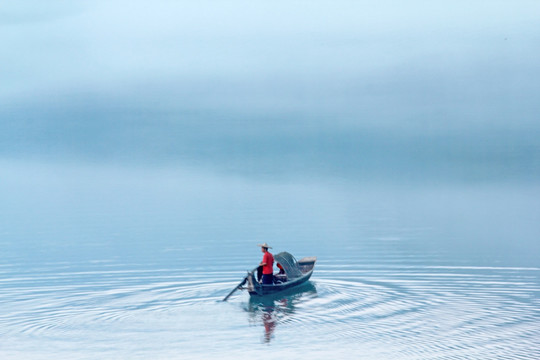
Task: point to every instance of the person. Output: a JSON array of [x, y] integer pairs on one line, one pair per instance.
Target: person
[[267, 264]]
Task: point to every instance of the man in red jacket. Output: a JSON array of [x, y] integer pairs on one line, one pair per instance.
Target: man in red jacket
[[267, 264]]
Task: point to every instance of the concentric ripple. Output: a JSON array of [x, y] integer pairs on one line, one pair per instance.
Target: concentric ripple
[[390, 312], [424, 312]]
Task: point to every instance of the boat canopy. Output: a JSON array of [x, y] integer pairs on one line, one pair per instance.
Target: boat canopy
[[289, 264]]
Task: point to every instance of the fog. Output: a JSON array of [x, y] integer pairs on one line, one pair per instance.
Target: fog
[[399, 97], [389, 89]]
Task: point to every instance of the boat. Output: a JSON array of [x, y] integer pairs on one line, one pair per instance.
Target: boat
[[294, 273]]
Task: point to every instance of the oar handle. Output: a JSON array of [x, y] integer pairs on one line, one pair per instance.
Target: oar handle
[[241, 283]]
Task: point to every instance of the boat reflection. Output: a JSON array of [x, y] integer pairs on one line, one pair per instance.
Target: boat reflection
[[270, 310]]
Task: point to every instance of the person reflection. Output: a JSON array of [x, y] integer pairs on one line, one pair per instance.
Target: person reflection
[[271, 310], [269, 314], [265, 311], [269, 323]]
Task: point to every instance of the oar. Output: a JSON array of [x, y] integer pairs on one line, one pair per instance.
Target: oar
[[239, 285]]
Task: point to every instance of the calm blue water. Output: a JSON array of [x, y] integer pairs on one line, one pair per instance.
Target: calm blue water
[[115, 263], [145, 149]]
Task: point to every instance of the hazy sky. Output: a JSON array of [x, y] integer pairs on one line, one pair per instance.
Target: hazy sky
[[394, 93], [436, 81]]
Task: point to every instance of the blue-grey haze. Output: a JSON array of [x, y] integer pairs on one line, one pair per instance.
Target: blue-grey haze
[[147, 147]]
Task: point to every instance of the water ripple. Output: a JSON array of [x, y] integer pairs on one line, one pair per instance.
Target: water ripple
[[442, 313], [399, 313]]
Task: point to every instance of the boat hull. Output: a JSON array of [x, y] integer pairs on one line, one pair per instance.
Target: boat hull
[[257, 289]]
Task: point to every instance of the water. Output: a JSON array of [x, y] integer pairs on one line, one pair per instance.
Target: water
[[119, 262], [145, 149]]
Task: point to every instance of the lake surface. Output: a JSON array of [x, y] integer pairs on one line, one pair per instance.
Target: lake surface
[[147, 148], [102, 262]]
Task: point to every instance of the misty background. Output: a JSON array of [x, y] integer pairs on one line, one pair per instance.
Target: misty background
[[121, 113]]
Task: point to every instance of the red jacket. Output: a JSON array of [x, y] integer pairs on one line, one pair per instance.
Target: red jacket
[[269, 260]]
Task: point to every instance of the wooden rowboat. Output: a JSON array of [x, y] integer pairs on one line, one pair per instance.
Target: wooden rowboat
[[295, 273]]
